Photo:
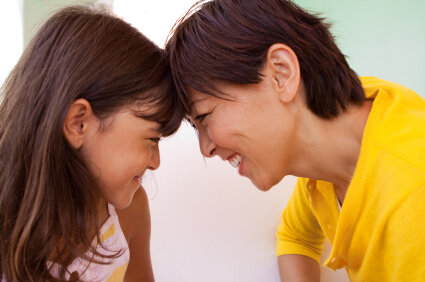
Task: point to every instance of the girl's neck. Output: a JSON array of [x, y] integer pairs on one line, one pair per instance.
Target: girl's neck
[[103, 211]]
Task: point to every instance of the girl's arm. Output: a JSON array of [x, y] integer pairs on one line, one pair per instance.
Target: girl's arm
[[136, 224]]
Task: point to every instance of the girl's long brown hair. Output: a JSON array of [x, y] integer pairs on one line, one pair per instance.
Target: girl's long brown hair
[[48, 199]]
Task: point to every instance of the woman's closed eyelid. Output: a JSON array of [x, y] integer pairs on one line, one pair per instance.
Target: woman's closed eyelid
[[201, 117]]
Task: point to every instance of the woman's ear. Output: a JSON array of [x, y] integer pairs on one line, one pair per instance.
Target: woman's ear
[[283, 66], [76, 122]]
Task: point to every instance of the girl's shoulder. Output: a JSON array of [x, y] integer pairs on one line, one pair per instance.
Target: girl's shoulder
[[136, 224], [135, 219]]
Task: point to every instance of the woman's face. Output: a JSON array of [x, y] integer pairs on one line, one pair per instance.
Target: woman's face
[[119, 155], [251, 131]]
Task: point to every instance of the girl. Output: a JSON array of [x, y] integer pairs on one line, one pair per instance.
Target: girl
[[80, 120], [269, 91]]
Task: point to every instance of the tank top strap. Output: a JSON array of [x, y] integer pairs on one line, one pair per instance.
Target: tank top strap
[[111, 210]]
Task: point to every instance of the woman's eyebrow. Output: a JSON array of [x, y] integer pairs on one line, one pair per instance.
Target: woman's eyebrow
[[198, 100], [192, 112]]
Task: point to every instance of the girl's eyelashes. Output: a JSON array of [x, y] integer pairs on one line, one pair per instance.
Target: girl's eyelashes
[[155, 139]]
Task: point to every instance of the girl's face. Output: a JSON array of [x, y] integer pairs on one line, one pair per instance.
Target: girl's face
[[119, 155], [252, 131]]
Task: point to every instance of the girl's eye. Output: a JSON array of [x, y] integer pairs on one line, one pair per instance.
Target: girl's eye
[[156, 139]]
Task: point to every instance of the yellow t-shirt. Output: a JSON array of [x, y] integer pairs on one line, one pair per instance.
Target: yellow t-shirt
[[379, 233]]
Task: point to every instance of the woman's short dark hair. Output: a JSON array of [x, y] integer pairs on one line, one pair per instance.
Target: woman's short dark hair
[[228, 40]]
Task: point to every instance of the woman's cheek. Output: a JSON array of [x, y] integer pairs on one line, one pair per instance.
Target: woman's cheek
[[218, 134]]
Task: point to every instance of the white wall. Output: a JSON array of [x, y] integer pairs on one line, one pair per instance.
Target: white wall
[[208, 223], [11, 37]]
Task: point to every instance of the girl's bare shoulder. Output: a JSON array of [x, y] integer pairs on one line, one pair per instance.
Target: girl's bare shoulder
[[135, 219]]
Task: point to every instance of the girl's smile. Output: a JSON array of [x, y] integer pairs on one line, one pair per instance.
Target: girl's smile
[[120, 154]]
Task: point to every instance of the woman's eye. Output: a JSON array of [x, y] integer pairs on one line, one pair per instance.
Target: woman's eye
[[191, 123], [201, 117]]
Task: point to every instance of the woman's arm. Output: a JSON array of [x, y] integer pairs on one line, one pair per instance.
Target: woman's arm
[[135, 222], [298, 268], [299, 238]]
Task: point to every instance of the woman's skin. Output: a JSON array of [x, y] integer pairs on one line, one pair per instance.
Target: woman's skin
[[269, 128]]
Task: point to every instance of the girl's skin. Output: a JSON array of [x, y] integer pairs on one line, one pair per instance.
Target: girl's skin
[[81, 116], [118, 154]]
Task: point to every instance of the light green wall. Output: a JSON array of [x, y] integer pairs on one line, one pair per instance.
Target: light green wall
[[35, 12], [383, 38]]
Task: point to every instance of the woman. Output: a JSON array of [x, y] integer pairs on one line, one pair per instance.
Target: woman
[[268, 90]]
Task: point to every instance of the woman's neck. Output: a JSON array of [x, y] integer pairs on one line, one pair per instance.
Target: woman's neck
[[329, 149]]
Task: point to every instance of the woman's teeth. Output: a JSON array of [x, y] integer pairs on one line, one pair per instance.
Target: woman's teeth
[[236, 160]]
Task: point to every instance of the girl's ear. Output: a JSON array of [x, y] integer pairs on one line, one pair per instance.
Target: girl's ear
[[283, 66], [76, 122]]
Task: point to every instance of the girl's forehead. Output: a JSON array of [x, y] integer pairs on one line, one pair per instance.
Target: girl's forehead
[[143, 108]]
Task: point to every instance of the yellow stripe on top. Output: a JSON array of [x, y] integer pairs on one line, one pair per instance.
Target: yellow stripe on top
[[118, 274], [108, 233]]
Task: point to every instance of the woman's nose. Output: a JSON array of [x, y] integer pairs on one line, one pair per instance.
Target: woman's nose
[[207, 146]]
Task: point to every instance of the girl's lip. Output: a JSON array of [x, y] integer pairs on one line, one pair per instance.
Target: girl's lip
[[139, 178]]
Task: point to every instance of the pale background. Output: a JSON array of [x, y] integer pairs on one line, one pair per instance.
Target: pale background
[[208, 223]]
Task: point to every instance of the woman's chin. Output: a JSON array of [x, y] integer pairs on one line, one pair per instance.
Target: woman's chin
[[262, 185]]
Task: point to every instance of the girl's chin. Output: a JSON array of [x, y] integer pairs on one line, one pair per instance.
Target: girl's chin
[[124, 201]]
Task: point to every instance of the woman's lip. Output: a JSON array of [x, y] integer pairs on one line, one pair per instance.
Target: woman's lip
[[229, 157], [235, 159], [240, 167]]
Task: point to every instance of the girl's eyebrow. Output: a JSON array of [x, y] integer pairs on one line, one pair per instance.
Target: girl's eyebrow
[[155, 128]]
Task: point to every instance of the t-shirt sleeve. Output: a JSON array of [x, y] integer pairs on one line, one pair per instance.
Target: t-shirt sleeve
[[300, 232]]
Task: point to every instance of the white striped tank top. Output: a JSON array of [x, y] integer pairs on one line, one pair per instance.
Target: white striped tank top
[[113, 240]]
